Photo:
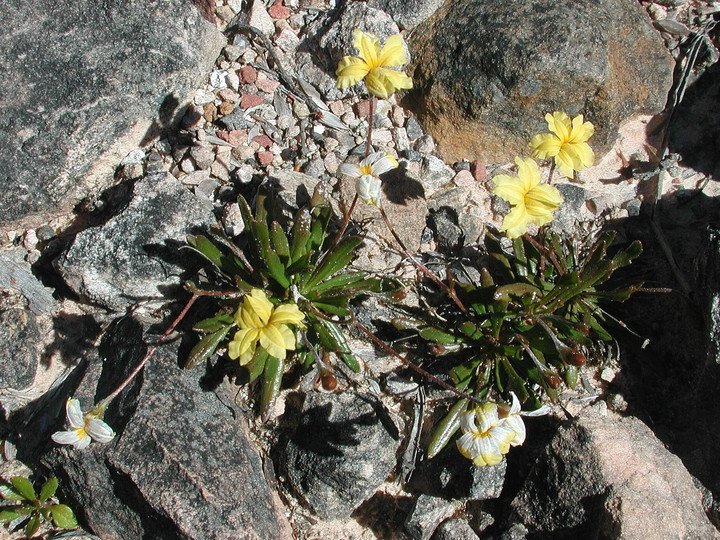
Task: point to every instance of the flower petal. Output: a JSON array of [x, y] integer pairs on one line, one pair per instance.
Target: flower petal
[[288, 337], [82, 443], [368, 188], [488, 452], [393, 52], [559, 123], [545, 145], [383, 82], [486, 416], [508, 188], [368, 46], [515, 423], [272, 340], [350, 71], [581, 131], [66, 437], [100, 431], [256, 303], [74, 413], [515, 223], [350, 169], [564, 163], [528, 173], [385, 163], [286, 314]]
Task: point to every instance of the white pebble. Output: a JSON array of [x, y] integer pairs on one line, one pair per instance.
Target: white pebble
[[203, 97]]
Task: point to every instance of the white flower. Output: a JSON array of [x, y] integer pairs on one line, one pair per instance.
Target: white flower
[[491, 429], [367, 175], [84, 428]]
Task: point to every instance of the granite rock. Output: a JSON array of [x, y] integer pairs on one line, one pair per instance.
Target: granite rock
[[137, 254], [485, 73], [82, 85], [182, 464]]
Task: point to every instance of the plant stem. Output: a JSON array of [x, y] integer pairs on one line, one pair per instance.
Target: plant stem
[[368, 144], [105, 402], [413, 366], [450, 291]]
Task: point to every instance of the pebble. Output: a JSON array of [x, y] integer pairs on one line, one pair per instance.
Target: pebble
[[187, 165], [402, 143], [226, 108], [260, 19], [478, 169], [46, 233], [287, 40], [278, 11], [203, 97], [301, 110], [233, 81], [414, 131], [233, 52], [285, 122], [331, 163], [464, 179], [382, 136], [425, 144], [250, 100], [244, 173], [266, 85], [297, 21], [265, 157], [227, 94], [235, 5], [232, 219], [398, 116], [209, 112], [249, 56], [362, 108], [30, 240], [225, 13], [207, 188], [337, 107], [292, 132], [217, 79], [195, 177], [330, 144], [248, 74], [202, 155], [263, 140], [315, 167]]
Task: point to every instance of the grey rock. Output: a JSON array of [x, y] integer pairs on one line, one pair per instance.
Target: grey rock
[[181, 466], [341, 451], [81, 86], [517, 531], [485, 73], [17, 276], [427, 514], [609, 476], [293, 188], [448, 234], [19, 348], [455, 529], [414, 131], [452, 476], [408, 13], [434, 173], [566, 217], [136, 255]]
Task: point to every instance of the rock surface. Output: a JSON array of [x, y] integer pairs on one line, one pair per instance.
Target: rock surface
[[408, 13], [342, 450], [609, 476], [485, 72], [19, 349], [81, 87], [137, 254], [181, 466]]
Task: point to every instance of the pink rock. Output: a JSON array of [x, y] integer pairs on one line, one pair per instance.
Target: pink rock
[[237, 137], [263, 140], [248, 74], [478, 170], [464, 179], [267, 85], [363, 108], [265, 157], [250, 100], [278, 11]]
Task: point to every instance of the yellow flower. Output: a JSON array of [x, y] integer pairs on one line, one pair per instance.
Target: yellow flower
[[567, 143], [491, 429], [532, 201], [260, 321], [373, 65]]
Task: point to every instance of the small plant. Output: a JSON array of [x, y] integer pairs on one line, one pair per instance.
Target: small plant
[[530, 322], [299, 278], [30, 509]]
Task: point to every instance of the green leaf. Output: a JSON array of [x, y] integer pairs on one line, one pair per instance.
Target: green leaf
[[33, 525], [206, 347], [341, 346], [63, 516], [299, 235], [339, 281], [517, 384], [6, 516], [332, 262], [213, 324], [431, 333], [272, 381], [10, 494], [256, 365], [319, 227], [626, 256], [24, 487], [463, 374], [279, 240], [276, 269], [48, 489], [446, 428], [206, 248]]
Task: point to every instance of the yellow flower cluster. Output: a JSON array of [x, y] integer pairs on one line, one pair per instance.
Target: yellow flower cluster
[[531, 201]]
